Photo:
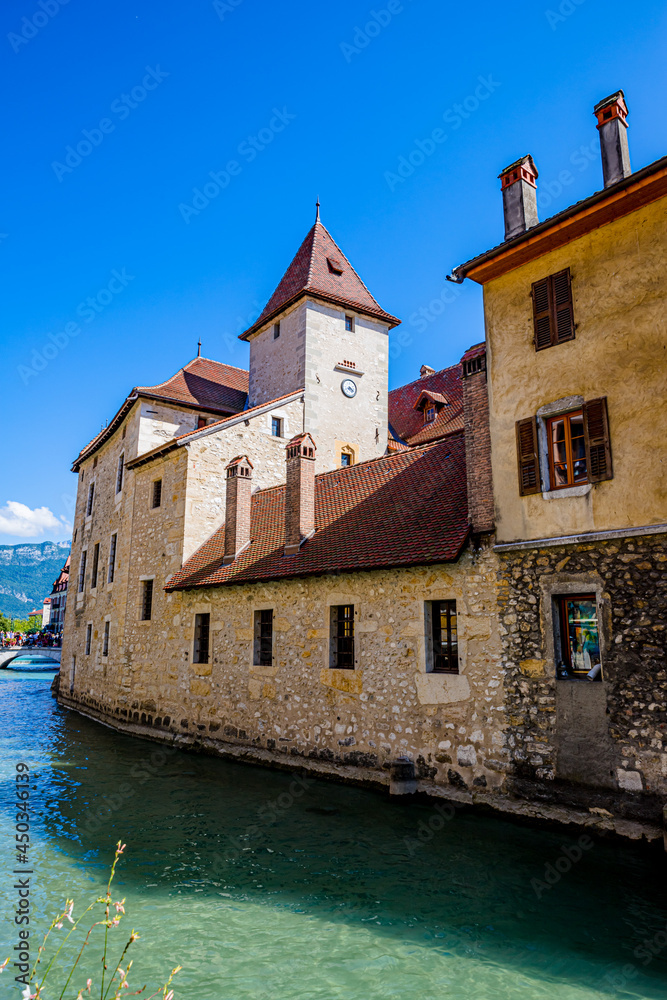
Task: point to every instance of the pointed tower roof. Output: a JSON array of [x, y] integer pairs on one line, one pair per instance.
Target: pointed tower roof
[[321, 270]]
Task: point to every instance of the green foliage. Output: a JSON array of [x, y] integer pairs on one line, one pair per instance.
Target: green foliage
[[27, 573]]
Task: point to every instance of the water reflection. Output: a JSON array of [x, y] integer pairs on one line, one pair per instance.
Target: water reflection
[[302, 888]]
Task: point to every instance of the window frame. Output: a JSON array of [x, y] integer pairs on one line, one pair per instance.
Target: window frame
[[95, 566], [435, 661], [276, 330], [146, 605], [349, 323], [277, 422], [263, 637], [90, 502], [105, 638], [562, 647], [567, 418], [120, 470], [556, 307], [111, 566], [337, 637], [89, 638], [81, 585], [156, 490], [202, 634]]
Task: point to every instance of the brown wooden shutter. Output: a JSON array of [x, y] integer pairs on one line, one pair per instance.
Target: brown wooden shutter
[[561, 289], [598, 447], [529, 464], [542, 319]]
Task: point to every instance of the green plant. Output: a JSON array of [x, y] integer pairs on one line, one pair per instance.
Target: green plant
[[117, 981]]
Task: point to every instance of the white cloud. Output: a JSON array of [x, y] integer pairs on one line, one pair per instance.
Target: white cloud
[[18, 519]]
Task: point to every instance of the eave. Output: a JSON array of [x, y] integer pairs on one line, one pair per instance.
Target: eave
[[633, 192], [380, 314]]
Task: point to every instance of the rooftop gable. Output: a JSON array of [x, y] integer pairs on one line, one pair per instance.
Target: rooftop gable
[[404, 509], [322, 270], [407, 422]]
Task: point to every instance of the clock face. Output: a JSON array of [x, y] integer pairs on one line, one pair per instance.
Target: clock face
[[349, 387]]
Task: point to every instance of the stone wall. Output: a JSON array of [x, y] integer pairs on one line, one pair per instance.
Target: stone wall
[[608, 736], [452, 726]]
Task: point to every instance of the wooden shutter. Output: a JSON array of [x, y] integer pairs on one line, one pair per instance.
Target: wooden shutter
[[541, 314], [553, 318], [598, 447], [529, 464], [561, 288]]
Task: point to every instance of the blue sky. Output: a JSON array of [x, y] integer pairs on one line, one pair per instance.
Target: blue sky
[[306, 99]]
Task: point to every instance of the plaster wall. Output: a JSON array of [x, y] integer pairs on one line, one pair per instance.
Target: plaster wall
[[619, 351], [160, 423]]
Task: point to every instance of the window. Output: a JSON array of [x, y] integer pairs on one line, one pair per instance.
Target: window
[[124, 429], [105, 639], [156, 498], [263, 646], [119, 472], [578, 637], [91, 497], [441, 619], [349, 324], [553, 320], [146, 600], [567, 450], [578, 449], [201, 422], [82, 571], [276, 330], [429, 414], [89, 636], [202, 627], [474, 365], [276, 427], [346, 456], [112, 558], [96, 563], [342, 637], [72, 674]]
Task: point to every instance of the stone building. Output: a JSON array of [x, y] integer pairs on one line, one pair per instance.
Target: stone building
[[58, 598], [296, 567], [576, 328]]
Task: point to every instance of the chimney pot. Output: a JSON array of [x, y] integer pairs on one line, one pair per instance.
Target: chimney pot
[[611, 114], [237, 507], [519, 187], [425, 371], [299, 492]]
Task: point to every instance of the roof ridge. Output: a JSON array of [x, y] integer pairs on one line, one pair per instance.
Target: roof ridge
[[416, 381]]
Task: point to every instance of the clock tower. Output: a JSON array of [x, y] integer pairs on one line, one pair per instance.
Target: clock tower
[[323, 332]]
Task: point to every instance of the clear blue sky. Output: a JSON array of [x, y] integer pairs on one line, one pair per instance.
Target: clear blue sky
[[211, 75]]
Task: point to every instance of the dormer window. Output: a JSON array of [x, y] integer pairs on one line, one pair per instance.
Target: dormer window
[[429, 414], [430, 404], [335, 265]]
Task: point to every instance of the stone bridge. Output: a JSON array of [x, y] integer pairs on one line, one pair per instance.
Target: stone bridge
[[9, 654]]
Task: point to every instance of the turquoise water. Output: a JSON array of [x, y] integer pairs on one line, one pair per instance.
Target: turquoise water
[[262, 888]]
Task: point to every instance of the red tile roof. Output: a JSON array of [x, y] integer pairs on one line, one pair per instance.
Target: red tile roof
[[408, 424], [210, 385], [321, 269], [404, 509]]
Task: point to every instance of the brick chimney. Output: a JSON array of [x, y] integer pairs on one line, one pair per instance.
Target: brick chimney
[[519, 187], [237, 508], [478, 440], [299, 493], [611, 114]]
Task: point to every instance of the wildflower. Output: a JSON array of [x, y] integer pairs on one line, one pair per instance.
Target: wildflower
[[89, 983], [4, 965], [68, 911], [119, 906]]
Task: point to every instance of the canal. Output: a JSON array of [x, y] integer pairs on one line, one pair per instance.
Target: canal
[[266, 887]]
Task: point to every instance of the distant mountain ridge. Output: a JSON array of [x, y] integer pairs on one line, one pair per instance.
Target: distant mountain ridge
[[27, 572]]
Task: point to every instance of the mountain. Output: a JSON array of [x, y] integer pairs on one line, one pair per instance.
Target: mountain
[[27, 573]]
